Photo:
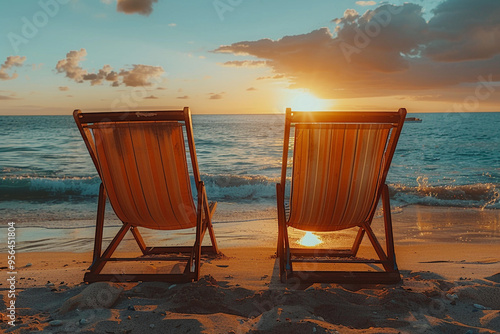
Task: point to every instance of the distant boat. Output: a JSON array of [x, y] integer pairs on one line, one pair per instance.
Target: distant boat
[[413, 119]]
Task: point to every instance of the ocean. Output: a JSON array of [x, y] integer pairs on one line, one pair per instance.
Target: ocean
[[47, 178]]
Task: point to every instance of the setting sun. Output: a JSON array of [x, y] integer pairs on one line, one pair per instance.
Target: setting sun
[[305, 101]]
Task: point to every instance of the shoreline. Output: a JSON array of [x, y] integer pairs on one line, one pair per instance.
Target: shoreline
[[415, 224]]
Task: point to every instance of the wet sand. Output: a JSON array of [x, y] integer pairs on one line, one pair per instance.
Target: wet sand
[[449, 259]]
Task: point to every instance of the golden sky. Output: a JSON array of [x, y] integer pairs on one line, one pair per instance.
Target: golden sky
[[240, 56]]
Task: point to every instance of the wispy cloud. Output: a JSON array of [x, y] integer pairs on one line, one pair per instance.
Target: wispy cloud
[[245, 63], [214, 96], [366, 3], [12, 61], [276, 76], [4, 97], [63, 88], [139, 75], [8, 95], [185, 97]]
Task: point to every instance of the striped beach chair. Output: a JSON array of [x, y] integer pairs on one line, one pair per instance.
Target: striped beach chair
[[142, 162], [339, 167]]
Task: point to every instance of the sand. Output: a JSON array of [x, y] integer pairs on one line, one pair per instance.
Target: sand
[[447, 287]]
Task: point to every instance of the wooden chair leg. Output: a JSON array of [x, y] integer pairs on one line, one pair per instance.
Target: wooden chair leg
[[280, 217], [389, 236], [138, 238], [280, 251], [357, 241], [101, 206], [286, 250], [213, 241], [196, 254], [378, 248], [209, 211], [99, 264]]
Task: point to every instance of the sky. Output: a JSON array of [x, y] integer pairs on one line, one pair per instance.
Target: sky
[[249, 56]]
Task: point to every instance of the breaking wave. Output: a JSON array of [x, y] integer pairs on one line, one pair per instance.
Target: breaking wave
[[245, 188]]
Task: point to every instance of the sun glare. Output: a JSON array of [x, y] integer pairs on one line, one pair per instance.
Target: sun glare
[[309, 239], [305, 101]]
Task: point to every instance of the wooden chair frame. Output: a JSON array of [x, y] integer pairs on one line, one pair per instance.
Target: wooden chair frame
[[287, 255], [190, 254]]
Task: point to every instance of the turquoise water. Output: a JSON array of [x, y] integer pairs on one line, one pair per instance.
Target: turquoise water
[[46, 173]]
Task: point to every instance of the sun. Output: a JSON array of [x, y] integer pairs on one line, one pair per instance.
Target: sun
[[305, 101], [309, 239]]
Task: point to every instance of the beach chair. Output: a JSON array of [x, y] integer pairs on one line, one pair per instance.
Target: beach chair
[[339, 167], [142, 162]]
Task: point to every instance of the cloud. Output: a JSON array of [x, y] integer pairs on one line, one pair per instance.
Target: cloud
[[245, 63], [143, 7], [151, 97], [214, 96], [36, 67], [429, 97], [106, 73], [11, 61], [3, 97], [139, 75], [63, 88], [70, 65], [185, 97], [172, 24], [390, 50], [11, 95], [350, 16], [276, 76], [462, 30], [251, 89], [366, 3]]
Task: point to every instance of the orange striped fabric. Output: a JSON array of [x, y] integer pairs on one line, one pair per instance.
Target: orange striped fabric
[[143, 167], [336, 174]]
